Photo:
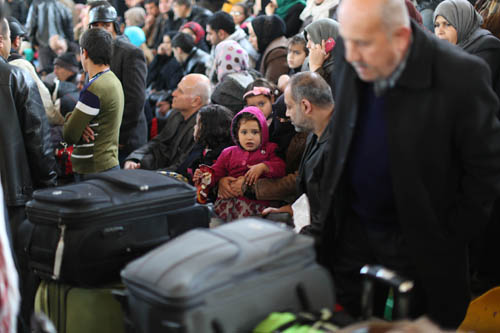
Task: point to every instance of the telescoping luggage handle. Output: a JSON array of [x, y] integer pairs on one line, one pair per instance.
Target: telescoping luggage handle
[[401, 286]]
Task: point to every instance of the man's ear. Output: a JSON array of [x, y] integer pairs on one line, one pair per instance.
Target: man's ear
[[306, 106], [222, 34], [196, 102]]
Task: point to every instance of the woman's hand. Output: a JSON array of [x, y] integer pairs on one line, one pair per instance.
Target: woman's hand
[[255, 172], [317, 56]]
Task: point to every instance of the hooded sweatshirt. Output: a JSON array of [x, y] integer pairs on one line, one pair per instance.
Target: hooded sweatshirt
[[234, 160]]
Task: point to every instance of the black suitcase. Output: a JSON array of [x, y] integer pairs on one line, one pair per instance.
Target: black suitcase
[[85, 233], [224, 280]]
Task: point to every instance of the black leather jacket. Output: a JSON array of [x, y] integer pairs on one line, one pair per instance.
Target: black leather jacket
[[26, 158], [47, 18], [197, 62]]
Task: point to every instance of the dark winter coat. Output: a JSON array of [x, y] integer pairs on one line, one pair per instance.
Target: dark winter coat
[[129, 65], [27, 160], [444, 146], [170, 147], [47, 18]]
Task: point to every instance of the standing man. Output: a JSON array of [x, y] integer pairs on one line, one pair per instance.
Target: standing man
[[47, 18], [414, 159], [129, 65], [100, 107], [27, 160]]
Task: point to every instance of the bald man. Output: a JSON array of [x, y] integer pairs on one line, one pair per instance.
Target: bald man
[[174, 142], [414, 159]]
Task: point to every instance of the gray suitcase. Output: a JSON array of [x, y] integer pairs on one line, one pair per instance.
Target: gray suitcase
[[225, 280]]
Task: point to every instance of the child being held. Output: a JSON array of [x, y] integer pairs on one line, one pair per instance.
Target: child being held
[[253, 157]]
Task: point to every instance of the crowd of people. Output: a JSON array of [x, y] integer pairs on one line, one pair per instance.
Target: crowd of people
[[384, 113]]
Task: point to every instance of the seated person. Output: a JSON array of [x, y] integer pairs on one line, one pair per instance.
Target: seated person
[[296, 56], [309, 104], [196, 31], [212, 134], [231, 67], [253, 156], [291, 146], [171, 146], [191, 58]]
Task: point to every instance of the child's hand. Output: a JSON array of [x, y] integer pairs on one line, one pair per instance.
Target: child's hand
[[197, 176], [255, 172]]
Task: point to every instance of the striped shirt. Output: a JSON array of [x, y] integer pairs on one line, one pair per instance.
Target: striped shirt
[[100, 106]]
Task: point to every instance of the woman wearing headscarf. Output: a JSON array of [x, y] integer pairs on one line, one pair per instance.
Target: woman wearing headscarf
[[459, 23], [321, 36], [196, 31], [289, 11], [231, 65], [267, 35]]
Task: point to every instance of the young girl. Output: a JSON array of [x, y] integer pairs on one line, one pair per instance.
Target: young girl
[[261, 94], [253, 157], [211, 136]]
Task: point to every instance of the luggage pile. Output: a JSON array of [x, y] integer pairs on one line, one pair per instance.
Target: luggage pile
[[131, 251], [83, 234]]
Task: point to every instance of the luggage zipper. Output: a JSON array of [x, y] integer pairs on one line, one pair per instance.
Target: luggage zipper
[[59, 254]]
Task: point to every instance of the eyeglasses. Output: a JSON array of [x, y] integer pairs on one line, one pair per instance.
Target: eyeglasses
[[236, 13]]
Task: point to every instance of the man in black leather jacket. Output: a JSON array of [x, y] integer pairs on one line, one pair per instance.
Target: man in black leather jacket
[[47, 18], [192, 59], [26, 158], [129, 65]]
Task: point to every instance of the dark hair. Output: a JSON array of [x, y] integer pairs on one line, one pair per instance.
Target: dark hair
[[221, 20], [98, 43], [267, 28], [187, 3], [299, 39], [311, 86], [151, 1], [262, 82], [184, 41], [243, 117], [215, 127]]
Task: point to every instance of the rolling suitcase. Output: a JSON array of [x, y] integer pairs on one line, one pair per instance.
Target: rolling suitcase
[[85, 233], [80, 310], [225, 279]]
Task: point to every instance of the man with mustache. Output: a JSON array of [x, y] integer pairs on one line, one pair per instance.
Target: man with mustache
[[414, 159]]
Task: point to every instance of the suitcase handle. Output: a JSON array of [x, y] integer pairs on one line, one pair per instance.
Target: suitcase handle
[[401, 286]]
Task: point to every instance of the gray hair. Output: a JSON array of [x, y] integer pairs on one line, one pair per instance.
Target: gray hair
[[312, 87], [136, 16], [394, 14], [202, 88]]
